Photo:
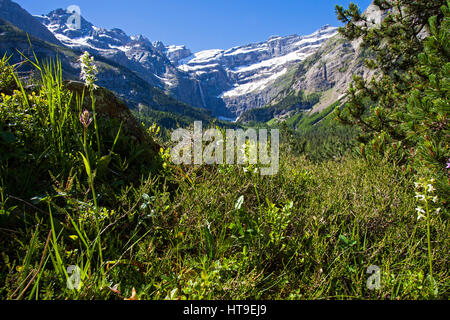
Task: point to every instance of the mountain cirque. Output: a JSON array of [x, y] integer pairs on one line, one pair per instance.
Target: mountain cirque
[[227, 82]]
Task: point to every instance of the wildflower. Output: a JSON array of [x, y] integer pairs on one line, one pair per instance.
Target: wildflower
[[85, 119], [425, 194], [244, 149], [448, 164], [88, 70], [419, 196], [420, 213], [420, 210]]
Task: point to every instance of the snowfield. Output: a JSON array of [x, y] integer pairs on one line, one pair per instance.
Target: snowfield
[[256, 66]]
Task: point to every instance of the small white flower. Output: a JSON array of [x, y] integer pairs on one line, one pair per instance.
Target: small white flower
[[420, 210], [419, 196], [430, 188], [435, 199], [421, 213], [438, 210], [88, 70]]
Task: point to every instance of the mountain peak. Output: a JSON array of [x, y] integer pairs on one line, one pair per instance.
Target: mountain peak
[[140, 37], [225, 81], [16, 15]]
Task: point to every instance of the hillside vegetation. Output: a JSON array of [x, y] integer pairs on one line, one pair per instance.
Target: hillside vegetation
[[88, 195], [138, 93]]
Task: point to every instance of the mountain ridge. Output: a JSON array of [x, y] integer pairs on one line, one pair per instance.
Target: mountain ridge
[[15, 14], [124, 83], [227, 82]]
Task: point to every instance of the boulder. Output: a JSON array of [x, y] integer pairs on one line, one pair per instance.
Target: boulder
[[109, 106]]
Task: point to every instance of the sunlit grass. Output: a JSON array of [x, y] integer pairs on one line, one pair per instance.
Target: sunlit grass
[[207, 232]]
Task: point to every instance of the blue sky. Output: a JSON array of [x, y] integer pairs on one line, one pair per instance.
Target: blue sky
[[204, 24]]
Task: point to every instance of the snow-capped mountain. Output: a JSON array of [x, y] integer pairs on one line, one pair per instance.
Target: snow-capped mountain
[[242, 76], [253, 67], [328, 72], [227, 82], [135, 52], [174, 53], [15, 14]]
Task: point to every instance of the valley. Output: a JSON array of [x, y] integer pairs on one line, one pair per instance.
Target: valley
[[293, 167]]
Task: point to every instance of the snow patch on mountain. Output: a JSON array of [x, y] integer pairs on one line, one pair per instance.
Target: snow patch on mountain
[[242, 89], [220, 80], [253, 67]]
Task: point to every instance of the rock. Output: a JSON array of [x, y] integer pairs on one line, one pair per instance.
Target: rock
[[15, 14], [243, 78], [177, 53], [109, 106], [227, 82]]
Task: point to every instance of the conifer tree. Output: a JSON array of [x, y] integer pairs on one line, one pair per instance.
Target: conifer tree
[[403, 109]]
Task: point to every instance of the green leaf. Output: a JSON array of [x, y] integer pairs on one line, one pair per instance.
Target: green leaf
[[343, 239], [87, 167], [345, 242], [103, 164], [433, 285]]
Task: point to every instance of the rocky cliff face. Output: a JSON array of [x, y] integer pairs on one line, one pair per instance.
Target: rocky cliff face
[[174, 53], [242, 78], [15, 14], [227, 82], [329, 71]]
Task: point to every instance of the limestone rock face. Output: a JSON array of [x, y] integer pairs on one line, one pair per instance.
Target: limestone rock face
[[244, 77], [174, 53], [223, 82], [226, 82], [331, 68]]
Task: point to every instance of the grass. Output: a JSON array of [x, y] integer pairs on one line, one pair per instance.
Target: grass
[[206, 232]]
